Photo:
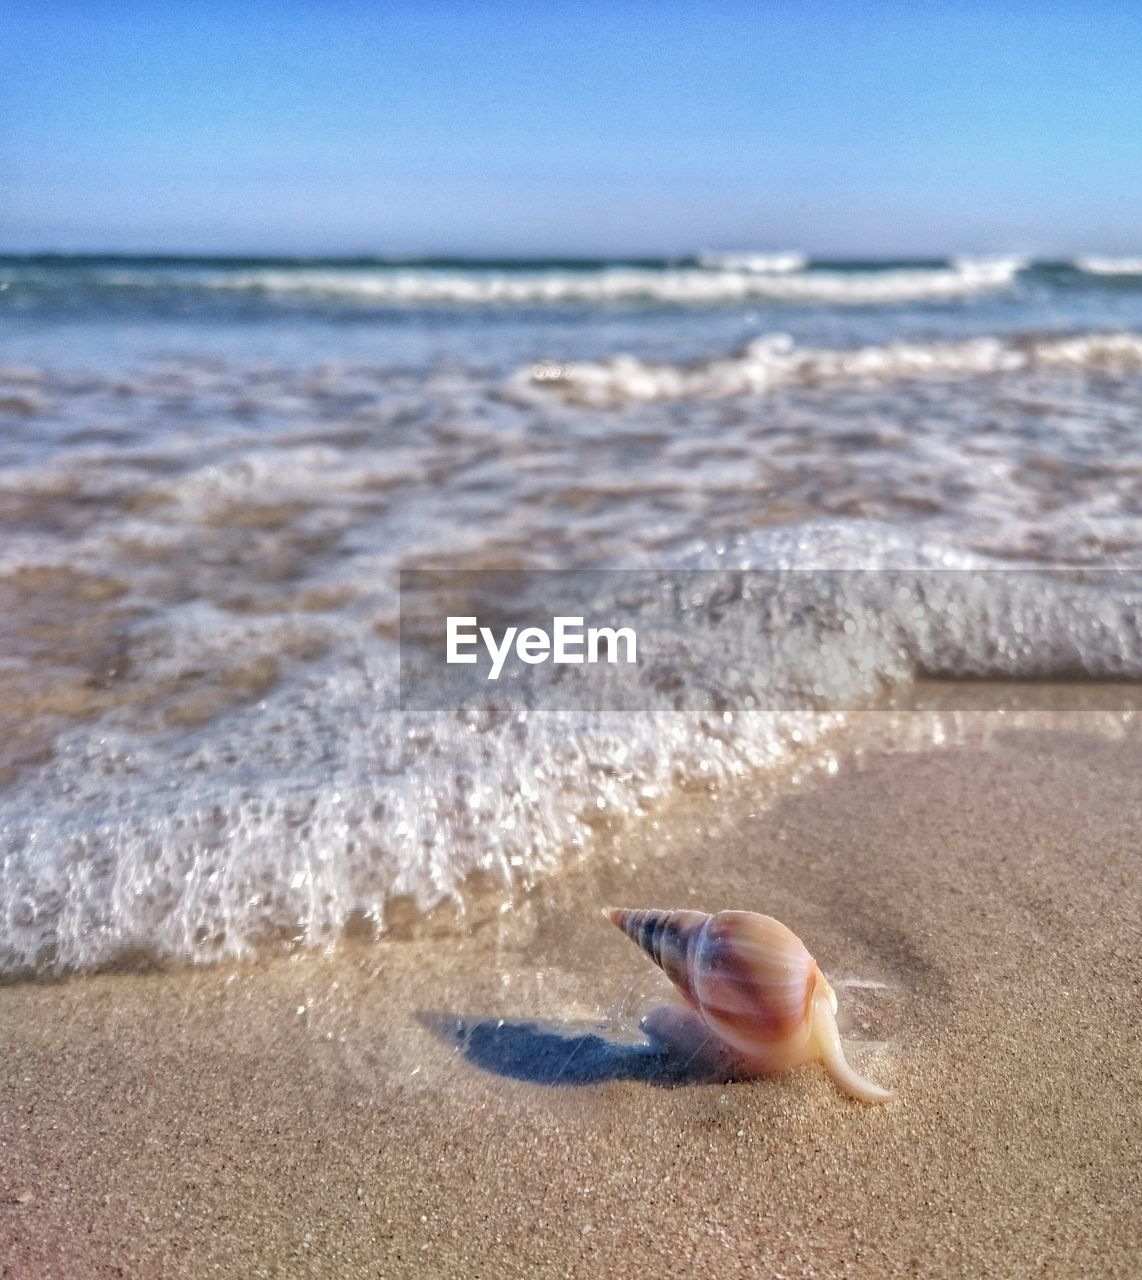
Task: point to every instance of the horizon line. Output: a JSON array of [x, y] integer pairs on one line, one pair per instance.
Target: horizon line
[[555, 256]]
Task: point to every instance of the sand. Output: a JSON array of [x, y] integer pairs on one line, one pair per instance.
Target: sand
[[476, 1104]]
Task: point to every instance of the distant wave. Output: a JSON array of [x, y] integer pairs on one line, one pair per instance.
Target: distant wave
[[775, 361], [616, 284], [1005, 266], [710, 279], [1110, 266], [766, 263]]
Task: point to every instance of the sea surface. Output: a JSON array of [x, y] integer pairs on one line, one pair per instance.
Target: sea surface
[[213, 470]]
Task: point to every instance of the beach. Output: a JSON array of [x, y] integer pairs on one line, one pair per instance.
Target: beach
[[473, 479], [471, 1097]]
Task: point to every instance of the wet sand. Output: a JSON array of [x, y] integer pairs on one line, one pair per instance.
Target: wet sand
[[479, 1104]]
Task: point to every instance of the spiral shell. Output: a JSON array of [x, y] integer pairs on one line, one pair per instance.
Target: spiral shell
[[754, 984]]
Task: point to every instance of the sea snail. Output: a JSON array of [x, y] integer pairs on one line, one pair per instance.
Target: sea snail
[[753, 984]]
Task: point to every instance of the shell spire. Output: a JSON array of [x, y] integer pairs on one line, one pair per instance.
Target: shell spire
[[753, 983], [668, 937]]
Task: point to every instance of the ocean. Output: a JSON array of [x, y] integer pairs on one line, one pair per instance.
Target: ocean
[[213, 471]]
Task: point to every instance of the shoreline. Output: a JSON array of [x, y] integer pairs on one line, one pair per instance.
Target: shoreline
[[478, 1104]]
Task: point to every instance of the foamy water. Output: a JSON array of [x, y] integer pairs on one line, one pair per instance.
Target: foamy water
[[1111, 266], [775, 361], [210, 475], [733, 280], [711, 279]]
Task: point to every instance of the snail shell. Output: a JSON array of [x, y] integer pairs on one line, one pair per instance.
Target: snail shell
[[754, 985]]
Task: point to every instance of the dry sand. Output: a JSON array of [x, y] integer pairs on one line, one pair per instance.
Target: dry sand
[[451, 1105]]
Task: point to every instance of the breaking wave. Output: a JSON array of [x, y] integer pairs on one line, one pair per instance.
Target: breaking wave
[[766, 263], [344, 804], [683, 286], [1110, 266], [775, 361], [711, 279]]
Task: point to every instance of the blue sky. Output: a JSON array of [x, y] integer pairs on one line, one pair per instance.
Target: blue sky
[[524, 128]]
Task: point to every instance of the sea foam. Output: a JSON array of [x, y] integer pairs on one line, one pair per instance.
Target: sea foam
[[323, 803], [775, 361], [1110, 266], [722, 281]]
